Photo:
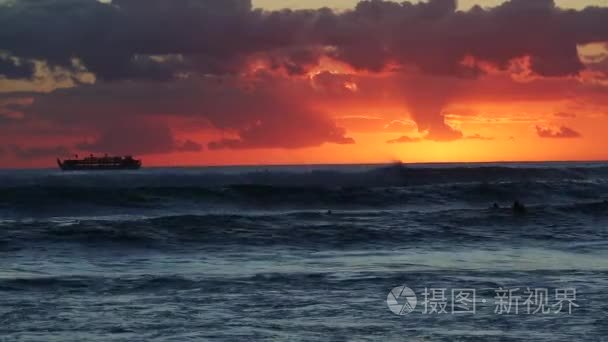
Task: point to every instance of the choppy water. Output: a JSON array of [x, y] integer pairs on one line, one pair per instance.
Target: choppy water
[[299, 254]]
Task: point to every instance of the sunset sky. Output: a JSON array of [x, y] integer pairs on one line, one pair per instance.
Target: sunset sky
[[205, 82]]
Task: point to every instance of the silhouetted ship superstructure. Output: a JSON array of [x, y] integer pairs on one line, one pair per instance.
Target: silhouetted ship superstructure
[[100, 163]]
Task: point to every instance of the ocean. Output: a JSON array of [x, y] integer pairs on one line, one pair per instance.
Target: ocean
[[306, 253]]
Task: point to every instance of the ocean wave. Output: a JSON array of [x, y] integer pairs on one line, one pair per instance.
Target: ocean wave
[[88, 201], [319, 229], [181, 192], [96, 283], [150, 283], [314, 280], [146, 283]]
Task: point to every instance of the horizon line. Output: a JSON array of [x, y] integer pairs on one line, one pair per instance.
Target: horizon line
[[194, 166]]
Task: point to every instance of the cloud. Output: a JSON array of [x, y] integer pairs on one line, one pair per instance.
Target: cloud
[[455, 136], [28, 153], [137, 136], [291, 131], [262, 112], [436, 39], [189, 146], [399, 125], [16, 69], [115, 40], [598, 63], [562, 132], [256, 77], [443, 133], [405, 139], [118, 40]]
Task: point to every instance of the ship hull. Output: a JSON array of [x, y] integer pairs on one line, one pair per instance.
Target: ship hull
[[105, 164], [98, 168]]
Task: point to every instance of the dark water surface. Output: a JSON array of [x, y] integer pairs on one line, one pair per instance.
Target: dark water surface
[[301, 253]]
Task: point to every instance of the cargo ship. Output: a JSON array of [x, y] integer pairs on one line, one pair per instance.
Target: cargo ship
[[99, 163]]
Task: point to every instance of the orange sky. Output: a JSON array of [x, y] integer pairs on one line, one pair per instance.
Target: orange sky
[[506, 129]]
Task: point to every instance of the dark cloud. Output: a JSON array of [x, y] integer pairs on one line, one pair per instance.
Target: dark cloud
[[293, 130], [436, 39], [443, 132], [137, 137], [405, 139], [28, 153], [263, 112], [294, 61], [562, 132], [197, 59], [189, 146], [599, 64], [116, 40], [426, 97]]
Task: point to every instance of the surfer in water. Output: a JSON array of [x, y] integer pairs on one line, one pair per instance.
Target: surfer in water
[[519, 208]]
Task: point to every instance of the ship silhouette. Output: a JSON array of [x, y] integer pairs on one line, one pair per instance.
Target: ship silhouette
[[99, 163]]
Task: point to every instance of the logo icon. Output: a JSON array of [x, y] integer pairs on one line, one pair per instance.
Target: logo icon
[[401, 300]]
